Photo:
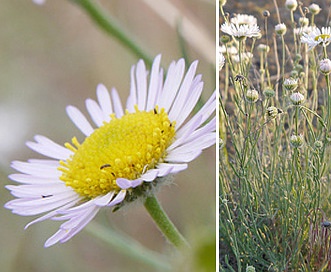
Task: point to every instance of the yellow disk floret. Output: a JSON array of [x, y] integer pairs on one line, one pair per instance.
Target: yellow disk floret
[[322, 36], [123, 148]]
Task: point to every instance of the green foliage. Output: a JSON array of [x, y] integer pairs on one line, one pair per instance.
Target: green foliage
[[274, 163]]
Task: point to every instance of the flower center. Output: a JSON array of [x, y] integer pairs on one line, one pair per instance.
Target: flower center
[[322, 36], [123, 148]]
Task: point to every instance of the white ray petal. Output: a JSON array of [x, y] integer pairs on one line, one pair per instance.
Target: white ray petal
[[118, 109], [55, 238], [183, 157], [51, 214], [174, 168], [203, 114], [118, 199], [123, 183], [104, 101], [79, 120], [95, 112], [141, 79], [48, 148], [132, 99], [85, 220], [150, 175], [37, 190], [183, 106], [171, 84], [154, 84], [34, 207], [38, 170], [28, 179], [104, 200]]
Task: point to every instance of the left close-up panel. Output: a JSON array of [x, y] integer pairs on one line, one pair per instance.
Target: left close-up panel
[[108, 138]]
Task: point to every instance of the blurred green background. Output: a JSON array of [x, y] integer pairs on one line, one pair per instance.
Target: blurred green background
[[54, 55]]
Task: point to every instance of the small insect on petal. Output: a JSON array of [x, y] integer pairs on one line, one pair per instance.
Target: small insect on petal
[[46, 196]]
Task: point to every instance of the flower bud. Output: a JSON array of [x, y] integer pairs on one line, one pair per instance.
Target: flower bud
[[280, 29], [290, 84], [294, 73], [314, 9], [250, 268], [266, 13], [263, 48], [252, 96], [269, 93], [318, 144], [225, 39], [325, 66], [303, 21], [298, 67], [298, 57], [296, 141], [297, 98], [291, 5]]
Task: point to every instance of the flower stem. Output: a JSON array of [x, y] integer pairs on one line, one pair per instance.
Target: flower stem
[[108, 24], [163, 222]]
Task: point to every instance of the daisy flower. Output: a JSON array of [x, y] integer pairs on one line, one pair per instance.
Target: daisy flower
[[244, 19], [317, 37], [241, 31], [124, 158], [303, 29]]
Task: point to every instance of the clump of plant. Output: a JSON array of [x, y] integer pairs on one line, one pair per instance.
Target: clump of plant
[[275, 122]]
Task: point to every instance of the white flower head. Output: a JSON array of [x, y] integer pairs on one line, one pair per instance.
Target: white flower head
[[263, 48], [232, 50], [244, 19], [280, 29], [317, 37], [303, 21], [291, 5], [241, 31], [290, 84], [297, 98], [297, 141], [221, 61], [250, 268], [325, 66], [123, 157], [252, 96], [314, 9]]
